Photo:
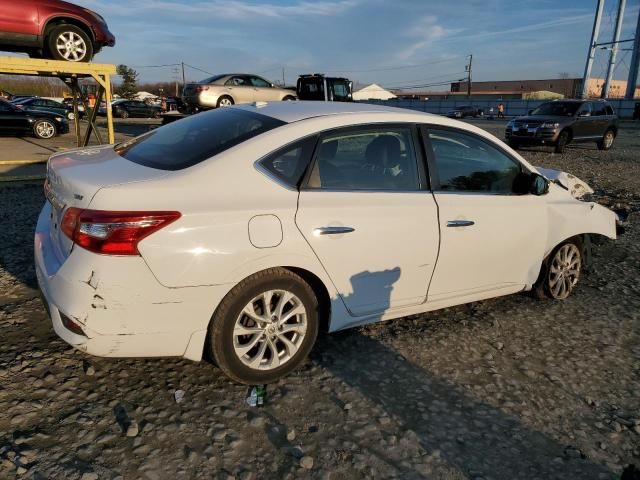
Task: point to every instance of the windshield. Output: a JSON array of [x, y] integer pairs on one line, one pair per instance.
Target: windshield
[[557, 109], [212, 79], [196, 138]]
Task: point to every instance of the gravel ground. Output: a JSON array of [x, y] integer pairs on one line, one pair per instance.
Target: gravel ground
[[511, 388]]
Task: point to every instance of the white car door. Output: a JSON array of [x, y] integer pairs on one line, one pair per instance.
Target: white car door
[[366, 211], [492, 239]]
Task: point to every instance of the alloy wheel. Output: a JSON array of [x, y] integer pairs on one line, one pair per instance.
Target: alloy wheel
[[45, 129], [225, 102], [71, 46], [564, 271], [608, 139], [270, 330]]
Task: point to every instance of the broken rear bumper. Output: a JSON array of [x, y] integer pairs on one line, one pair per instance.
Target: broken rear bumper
[[120, 307]]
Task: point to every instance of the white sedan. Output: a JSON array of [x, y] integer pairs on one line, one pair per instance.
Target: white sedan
[[248, 229]]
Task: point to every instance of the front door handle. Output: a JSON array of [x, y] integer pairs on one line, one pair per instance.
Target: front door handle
[[332, 230], [460, 223]]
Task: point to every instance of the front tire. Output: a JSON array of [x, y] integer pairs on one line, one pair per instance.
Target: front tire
[[560, 272], [69, 43], [563, 140], [124, 114], [607, 140], [265, 327], [45, 129], [288, 98], [514, 144], [224, 101]]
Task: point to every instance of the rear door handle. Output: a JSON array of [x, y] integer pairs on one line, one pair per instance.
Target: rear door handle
[[332, 230], [460, 223]]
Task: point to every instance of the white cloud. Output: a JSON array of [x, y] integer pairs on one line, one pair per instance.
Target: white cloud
[[220, 9]]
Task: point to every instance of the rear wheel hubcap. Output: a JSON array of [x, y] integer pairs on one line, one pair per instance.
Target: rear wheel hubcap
[[269, 330]]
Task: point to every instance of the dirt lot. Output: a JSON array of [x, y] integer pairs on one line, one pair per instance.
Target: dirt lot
[[511, 388]]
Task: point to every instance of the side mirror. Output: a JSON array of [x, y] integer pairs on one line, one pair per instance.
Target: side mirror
[[539, 185]]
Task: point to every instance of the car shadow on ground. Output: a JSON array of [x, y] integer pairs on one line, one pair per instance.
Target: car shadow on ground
[[473, 437]]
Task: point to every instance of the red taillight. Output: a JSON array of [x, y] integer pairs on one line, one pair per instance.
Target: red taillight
[[113, 233], [201, 88]]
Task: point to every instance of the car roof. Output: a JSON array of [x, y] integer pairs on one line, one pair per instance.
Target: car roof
[[300, 110]]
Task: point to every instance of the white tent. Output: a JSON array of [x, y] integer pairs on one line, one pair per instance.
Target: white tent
[[145, 96], [373, 92]]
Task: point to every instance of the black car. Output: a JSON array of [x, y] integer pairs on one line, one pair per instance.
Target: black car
[[561, 122], [37, 103], [464, 111], [39, 123], [132, 108]]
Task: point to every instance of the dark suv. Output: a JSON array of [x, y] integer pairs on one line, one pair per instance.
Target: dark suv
[[561, 122]]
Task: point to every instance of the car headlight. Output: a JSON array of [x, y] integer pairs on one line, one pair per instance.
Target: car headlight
[[549, 125]]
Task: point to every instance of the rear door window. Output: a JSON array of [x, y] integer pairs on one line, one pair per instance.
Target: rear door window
[[196, 138], [366, 158], [598, 109]]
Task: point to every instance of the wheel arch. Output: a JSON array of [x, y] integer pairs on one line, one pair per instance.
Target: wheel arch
[[322, 294], [569, 130], [63, 20]]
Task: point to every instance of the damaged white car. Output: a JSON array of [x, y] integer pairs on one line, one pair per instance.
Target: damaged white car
[[248, 229]]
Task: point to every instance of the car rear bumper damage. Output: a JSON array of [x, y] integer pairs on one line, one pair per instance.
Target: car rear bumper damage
[[115, 307]]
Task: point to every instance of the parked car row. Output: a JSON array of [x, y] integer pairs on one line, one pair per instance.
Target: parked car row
[[131, 108], [24, 121], [238, 88]]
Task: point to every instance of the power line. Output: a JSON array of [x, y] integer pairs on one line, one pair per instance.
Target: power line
[[156, 66], [198, 68]]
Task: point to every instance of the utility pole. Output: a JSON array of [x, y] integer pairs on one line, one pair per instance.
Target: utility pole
[[184, 79], [592, 49], [468, 69], [283, 76], [614, 49], [635, 63], [176, 73]]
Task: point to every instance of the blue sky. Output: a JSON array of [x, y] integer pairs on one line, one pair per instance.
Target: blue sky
[[394, 43]]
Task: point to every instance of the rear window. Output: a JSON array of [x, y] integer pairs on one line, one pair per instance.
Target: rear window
[[192, 140]]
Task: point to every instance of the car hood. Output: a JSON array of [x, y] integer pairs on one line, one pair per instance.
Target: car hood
[[576, 187], [545, 118]]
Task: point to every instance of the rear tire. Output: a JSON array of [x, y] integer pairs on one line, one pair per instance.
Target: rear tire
[[288, 98], [155, 114], [69, 43], [224, 101], [607, 140], [45, 129], [124, 114], [562, 141], [276, 312]]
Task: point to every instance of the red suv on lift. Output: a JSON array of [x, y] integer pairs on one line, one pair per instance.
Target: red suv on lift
[[52, 29]]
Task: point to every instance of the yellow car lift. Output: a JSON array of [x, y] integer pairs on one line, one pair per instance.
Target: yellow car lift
[[70, 73]]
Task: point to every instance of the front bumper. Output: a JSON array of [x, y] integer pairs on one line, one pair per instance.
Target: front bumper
[[535, 135], [121, 308]]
